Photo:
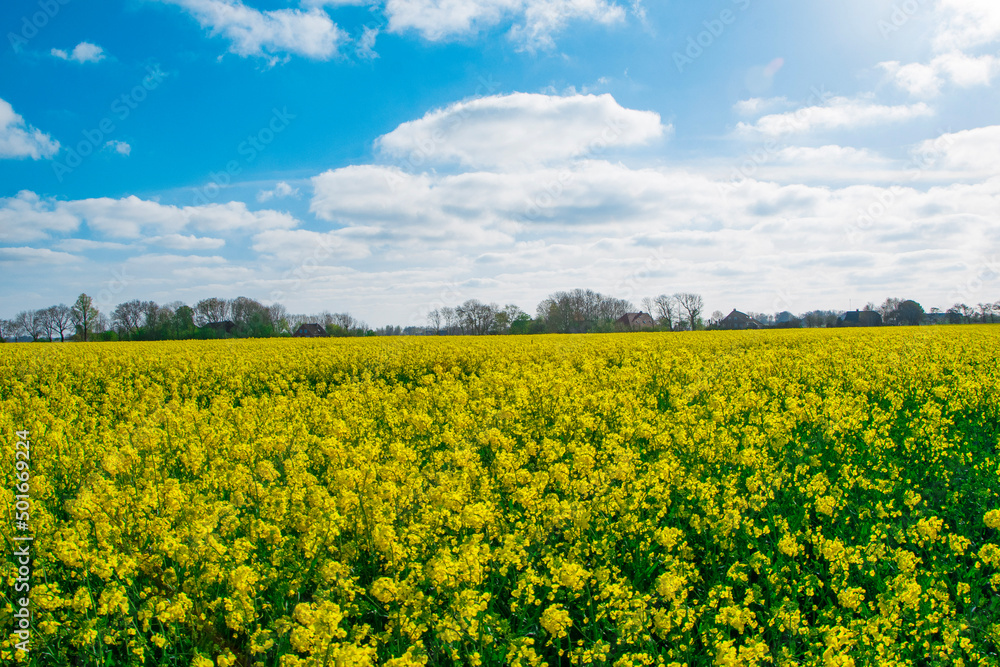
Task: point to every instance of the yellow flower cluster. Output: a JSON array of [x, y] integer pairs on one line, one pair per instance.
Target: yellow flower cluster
[[746, 499]]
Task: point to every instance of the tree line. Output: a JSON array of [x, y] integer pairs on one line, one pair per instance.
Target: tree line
[[214, 317], [574, 311]]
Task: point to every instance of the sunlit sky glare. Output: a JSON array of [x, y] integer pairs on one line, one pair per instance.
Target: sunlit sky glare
[[388, 158]]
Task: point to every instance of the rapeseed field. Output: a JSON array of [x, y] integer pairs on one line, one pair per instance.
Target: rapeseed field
[[748, 498]]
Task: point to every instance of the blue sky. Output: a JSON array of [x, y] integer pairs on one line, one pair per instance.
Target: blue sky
[[390, 157]]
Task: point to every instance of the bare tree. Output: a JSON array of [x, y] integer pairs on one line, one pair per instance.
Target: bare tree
[[580, 310], [7, 330], [888, 310], [692, 304], [346, 321], [127, 317], [212, 309], [477, 318], [984, 310], [666, 310], [29, 323], [101, 324], [450, 319], [278, 315], [45, 321], [764, 318], [61, 319], [965, 311], [434, 320]]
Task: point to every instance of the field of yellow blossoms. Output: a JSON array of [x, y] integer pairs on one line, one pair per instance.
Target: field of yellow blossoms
[[756, 498]]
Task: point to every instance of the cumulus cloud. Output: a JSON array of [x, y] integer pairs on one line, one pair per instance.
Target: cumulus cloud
[[30, 255], [534, 22], [839, 113], [522, 128], [280, 191], [120, 147], [185, 242], [86, 245], [28, 217], [19, 140], [829, 164], [297, 244], [251, 32], [810, 227], [961, 26], [971, 153], [964, 24], [756, 106], [495, 228], [958, 68], [84, 52]]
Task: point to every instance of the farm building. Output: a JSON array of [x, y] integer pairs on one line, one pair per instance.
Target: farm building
[[860, 318], [737, 321], [310, 331], [635, 322]]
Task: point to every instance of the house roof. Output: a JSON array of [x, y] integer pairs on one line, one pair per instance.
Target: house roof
[[739, 316], [311, 329], [632, 318]]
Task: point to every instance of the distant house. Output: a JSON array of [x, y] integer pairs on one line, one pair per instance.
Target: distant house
[[737, 321], [860, 318], [310, 331], [635, 322], [786, 320], [225, 327]]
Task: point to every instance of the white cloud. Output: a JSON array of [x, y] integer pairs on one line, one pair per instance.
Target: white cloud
[[280, 191], [501, 234], [182, 242], [521, 128], [35, 256], [18, 139], [251, 32], [839, 113], [85, 245], [971, 153], [120, 147], [365, 48], [84, 52], [917, 79], [130, 217], [967, 71], [402, 241], [534, 21], [960, 69], [823, 165], [758, 105], [26, 217], [960, 26], [296, 245], [963, 24], [340, 3]]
